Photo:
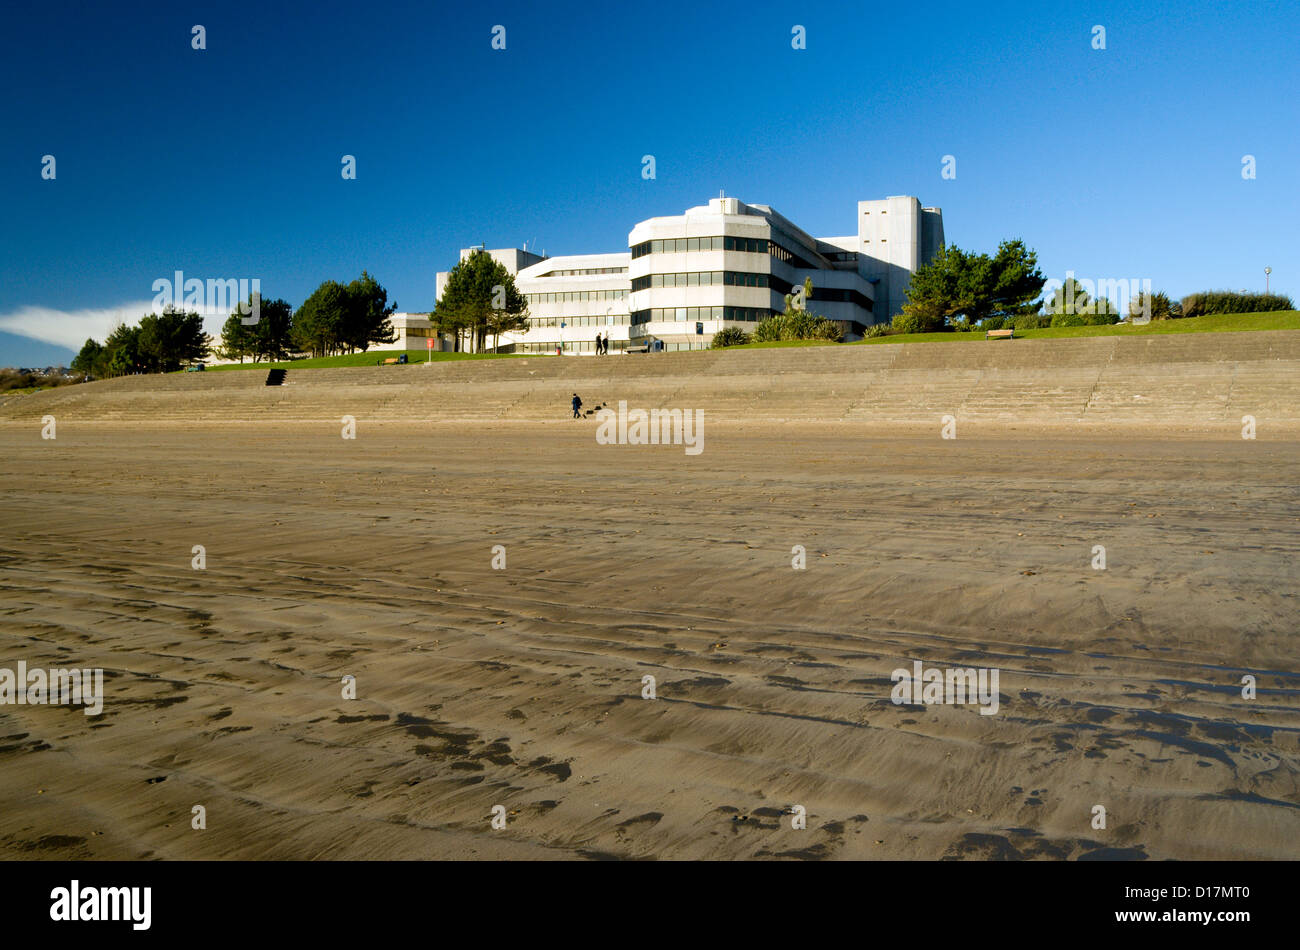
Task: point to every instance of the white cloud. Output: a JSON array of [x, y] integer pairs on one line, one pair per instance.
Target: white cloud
[[70, 328]]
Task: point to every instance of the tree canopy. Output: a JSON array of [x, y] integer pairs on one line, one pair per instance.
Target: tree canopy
[[963, 286], [343, 318], [267, 339], [480, 298]]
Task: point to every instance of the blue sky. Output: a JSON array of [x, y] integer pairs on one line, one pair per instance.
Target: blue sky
[[225, 163]]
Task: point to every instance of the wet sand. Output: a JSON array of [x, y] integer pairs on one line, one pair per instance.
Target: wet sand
[[522, 687]]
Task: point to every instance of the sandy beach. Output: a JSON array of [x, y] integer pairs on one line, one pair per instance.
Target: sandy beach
[[522, 687]]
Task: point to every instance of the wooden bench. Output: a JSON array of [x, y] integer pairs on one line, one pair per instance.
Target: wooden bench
[[1000, 335], [391, 361]]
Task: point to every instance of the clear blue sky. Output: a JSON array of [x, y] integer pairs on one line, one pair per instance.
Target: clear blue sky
[[1122, 163]]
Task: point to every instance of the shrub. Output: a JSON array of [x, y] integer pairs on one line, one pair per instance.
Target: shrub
[[1225, 301], [915, 320], [1031, 321], [877, 330], [1099, 319], [1069, 319], [768, 330], [797, 325], [1158, 306], [729, 336]]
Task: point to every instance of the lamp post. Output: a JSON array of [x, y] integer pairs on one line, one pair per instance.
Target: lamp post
[[1267, 271]]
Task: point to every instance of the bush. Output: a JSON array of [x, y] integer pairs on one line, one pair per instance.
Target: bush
[[1069, 319], [1031, 321], [1158, 306], [1099, 319], [768, 331], [729, 336], [1225, 301], [797, 325], [877, 330], [912, 323]]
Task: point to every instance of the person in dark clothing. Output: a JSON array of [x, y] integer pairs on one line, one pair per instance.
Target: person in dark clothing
[[577, 404], [598, 344]]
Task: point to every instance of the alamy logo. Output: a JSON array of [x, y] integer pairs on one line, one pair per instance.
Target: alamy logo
[[103, 903], [54, 688], [655, 427], [953, 687], [215, 296]]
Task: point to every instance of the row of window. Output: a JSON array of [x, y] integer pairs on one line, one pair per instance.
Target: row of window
[[705, 278], [748, 245], [572, 346], [825, 293], [613, 319], [691, 314], [586, 270], [723, 243], [843, 296], [569, 296]]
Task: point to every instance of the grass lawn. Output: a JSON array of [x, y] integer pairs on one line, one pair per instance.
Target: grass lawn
[[1217, 323], [369, 359], [780, 343], [1276, 320]]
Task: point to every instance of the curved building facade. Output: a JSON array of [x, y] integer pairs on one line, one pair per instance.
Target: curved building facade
[[685, 277]]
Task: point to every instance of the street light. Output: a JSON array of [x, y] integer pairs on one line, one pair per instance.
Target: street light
[[1267, 271]]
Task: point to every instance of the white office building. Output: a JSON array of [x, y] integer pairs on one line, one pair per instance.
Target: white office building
[[726, 263]]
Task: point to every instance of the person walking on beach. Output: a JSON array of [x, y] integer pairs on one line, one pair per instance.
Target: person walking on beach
[[577, 404]]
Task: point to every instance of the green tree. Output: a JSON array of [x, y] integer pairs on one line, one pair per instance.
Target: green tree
[[480, 298], [89, 361], [936, 292], [1069, 298], [366, 317], [122, 351], [318, 325], [1072, 306], [236, 338], [1016, 281], [170, 339], [957, 286], [270, 337]]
